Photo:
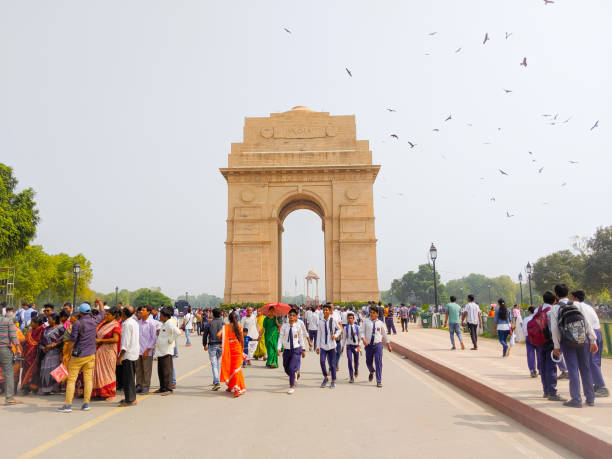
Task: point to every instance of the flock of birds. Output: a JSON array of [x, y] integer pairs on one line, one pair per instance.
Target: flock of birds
[[551, 119]]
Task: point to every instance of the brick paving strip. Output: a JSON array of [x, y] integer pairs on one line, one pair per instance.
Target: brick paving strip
[[516, 396]]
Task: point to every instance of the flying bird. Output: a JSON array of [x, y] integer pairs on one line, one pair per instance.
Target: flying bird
[[546, 115], [432, 34], [540, 170], [509, 215], [530, 152], [524, 63], [503, 173], [486, 38], [546, 2], [400, 194], [349, 72], [595, 125], [508, 34], [395, 136], [469, 124], [412, 145], [286, 30], [492, 200], [391, 110], [507, 91], [436, 130], [449, 118], [564, 183], [573, 162], [457, 50]]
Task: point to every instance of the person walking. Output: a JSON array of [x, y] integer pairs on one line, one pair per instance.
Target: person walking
[[293, 338], [453, 311], [50, 347], [212, 344], [8, 341], [328, 332], [164, 349], [373, 335], [231, 359], [599, 385], [389, 319], [502, 319], [471, 315], [404, 313], [350, 342], [188, 326], [271, 326], [147, 337], [83, 355], [249, 330], [568, 327], [313, 325], [130, 347]]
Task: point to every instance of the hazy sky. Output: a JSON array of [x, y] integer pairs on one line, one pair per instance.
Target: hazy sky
[[119, 114]]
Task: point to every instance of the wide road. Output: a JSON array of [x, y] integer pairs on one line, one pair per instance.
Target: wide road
[[414, 414]]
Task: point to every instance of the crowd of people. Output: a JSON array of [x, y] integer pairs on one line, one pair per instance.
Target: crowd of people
[[564, 333]]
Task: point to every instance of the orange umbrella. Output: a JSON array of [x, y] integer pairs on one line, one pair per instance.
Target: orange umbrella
[[281, 309]]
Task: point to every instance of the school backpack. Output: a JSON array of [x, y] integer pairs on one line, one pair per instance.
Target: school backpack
[[537, 328], [572, 325]]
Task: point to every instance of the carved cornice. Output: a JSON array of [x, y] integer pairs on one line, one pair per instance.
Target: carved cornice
[[356, 172]]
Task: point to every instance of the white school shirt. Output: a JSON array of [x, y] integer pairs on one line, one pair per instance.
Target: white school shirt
[[320, 313], [380, 334], [130, 334], [590, 316], [344, 318], [473, 313], [299, 336], [346, 336], [333, 330], [554, 323], [525, 322], [313, 320], [188, 321]]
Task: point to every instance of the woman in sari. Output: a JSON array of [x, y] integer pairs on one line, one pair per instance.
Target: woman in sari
[[30, 371], [271, 326], [260, 351], [108, 346], [50, 344], [231, 356]]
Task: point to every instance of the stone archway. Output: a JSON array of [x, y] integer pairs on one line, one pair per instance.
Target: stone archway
[[300, 159]]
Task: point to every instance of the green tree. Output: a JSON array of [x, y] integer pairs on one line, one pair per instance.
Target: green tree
[[598, 263], [151, 298], [204, 300], [418, 287], [558, 267], [18, 214]]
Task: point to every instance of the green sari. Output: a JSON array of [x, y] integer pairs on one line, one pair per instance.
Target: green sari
[[271, 337]]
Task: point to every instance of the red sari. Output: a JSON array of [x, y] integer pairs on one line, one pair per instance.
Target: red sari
[[104, 377], [231, 362]]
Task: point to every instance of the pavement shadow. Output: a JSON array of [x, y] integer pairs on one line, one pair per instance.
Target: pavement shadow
[[483, 422]]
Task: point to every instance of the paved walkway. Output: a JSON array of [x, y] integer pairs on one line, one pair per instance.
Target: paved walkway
[[510, 375], [415, 413]]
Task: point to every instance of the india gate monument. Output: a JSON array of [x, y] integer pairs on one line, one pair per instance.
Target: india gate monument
[[300, 159]]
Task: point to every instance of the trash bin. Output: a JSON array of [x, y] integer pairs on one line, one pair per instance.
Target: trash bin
[[425, 320]]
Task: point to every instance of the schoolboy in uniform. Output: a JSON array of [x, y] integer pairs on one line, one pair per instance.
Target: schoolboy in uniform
[[350, 341], [293, 338], [328, 332], [373, 334]]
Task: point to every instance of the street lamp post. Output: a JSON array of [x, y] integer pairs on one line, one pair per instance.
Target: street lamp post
[[521, 286], [433, 254], [489, 286], [76, 269], [116, 296], [529, 273], [187, 298]]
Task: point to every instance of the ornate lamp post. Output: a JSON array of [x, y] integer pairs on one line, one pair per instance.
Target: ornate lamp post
[[489, 287], [529, 273], [76, 269], [116, 296], [433, 254], [187, 298], [521, 286]]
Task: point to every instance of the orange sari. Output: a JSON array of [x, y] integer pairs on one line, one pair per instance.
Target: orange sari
[[231, 362]]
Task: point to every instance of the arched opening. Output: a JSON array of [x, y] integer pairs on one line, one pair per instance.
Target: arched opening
[[302, 248]]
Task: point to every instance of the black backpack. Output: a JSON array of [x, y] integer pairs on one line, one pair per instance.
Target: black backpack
[[572, 325]]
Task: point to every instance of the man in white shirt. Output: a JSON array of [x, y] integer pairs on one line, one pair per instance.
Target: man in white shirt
[[337, 315], [590, 315], [350, 341], [293, 339], [576, 358], [249, 330], [373, 334], [313, 324], [164, 349], [329, 330], [471, 314], [130, 348], [188, 325]]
